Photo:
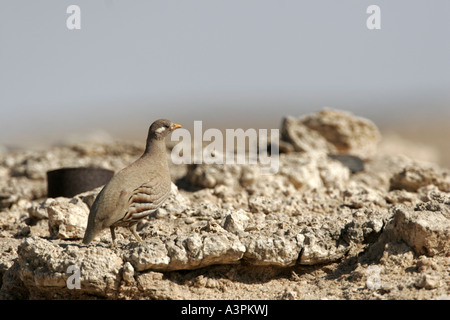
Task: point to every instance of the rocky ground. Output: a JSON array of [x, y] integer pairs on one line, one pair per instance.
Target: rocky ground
[[341, 219]]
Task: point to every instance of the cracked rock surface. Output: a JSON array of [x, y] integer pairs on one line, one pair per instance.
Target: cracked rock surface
[[316, 229]]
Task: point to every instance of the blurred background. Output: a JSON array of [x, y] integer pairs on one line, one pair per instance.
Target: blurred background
[[232, 64]]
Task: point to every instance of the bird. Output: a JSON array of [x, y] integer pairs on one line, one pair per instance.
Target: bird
[[135, 191]]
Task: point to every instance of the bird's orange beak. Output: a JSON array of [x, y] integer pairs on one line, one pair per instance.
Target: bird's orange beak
[[176, 126]]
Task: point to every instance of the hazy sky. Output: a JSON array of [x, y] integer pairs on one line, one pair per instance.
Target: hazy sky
[[238, 62]]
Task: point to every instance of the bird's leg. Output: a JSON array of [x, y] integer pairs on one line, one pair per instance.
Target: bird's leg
[[133, 231], [113, 236]]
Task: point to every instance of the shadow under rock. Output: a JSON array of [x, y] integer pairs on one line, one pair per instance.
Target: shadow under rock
[[242, 272]]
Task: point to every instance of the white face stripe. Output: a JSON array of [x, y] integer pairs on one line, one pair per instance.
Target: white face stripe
[[159, 130]]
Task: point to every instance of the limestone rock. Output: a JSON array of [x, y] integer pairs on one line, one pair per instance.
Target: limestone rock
[[227, 230], [39, 210], [276, 250], [44, 268], [332, 131], [299, 138], [301, 171], [185, 252], [210, 175], [151, 255], [67, 218], [413, 177], [427, 281], [236, 221], [321, 247], [428, 232], [8, 253], [313, 170]]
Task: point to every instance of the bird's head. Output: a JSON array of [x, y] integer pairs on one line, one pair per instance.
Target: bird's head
[[161, 128]]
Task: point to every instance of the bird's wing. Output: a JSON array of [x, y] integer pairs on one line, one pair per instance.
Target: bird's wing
[[146, 198]]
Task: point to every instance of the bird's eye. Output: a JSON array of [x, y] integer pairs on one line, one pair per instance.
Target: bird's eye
[[159, 130]]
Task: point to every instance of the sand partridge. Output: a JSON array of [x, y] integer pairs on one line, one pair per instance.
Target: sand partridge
[[137, 190]]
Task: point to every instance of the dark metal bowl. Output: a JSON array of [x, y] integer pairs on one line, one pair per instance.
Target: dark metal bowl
[[68, 182]]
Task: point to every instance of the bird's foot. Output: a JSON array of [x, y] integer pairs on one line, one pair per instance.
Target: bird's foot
[[135, 234]]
